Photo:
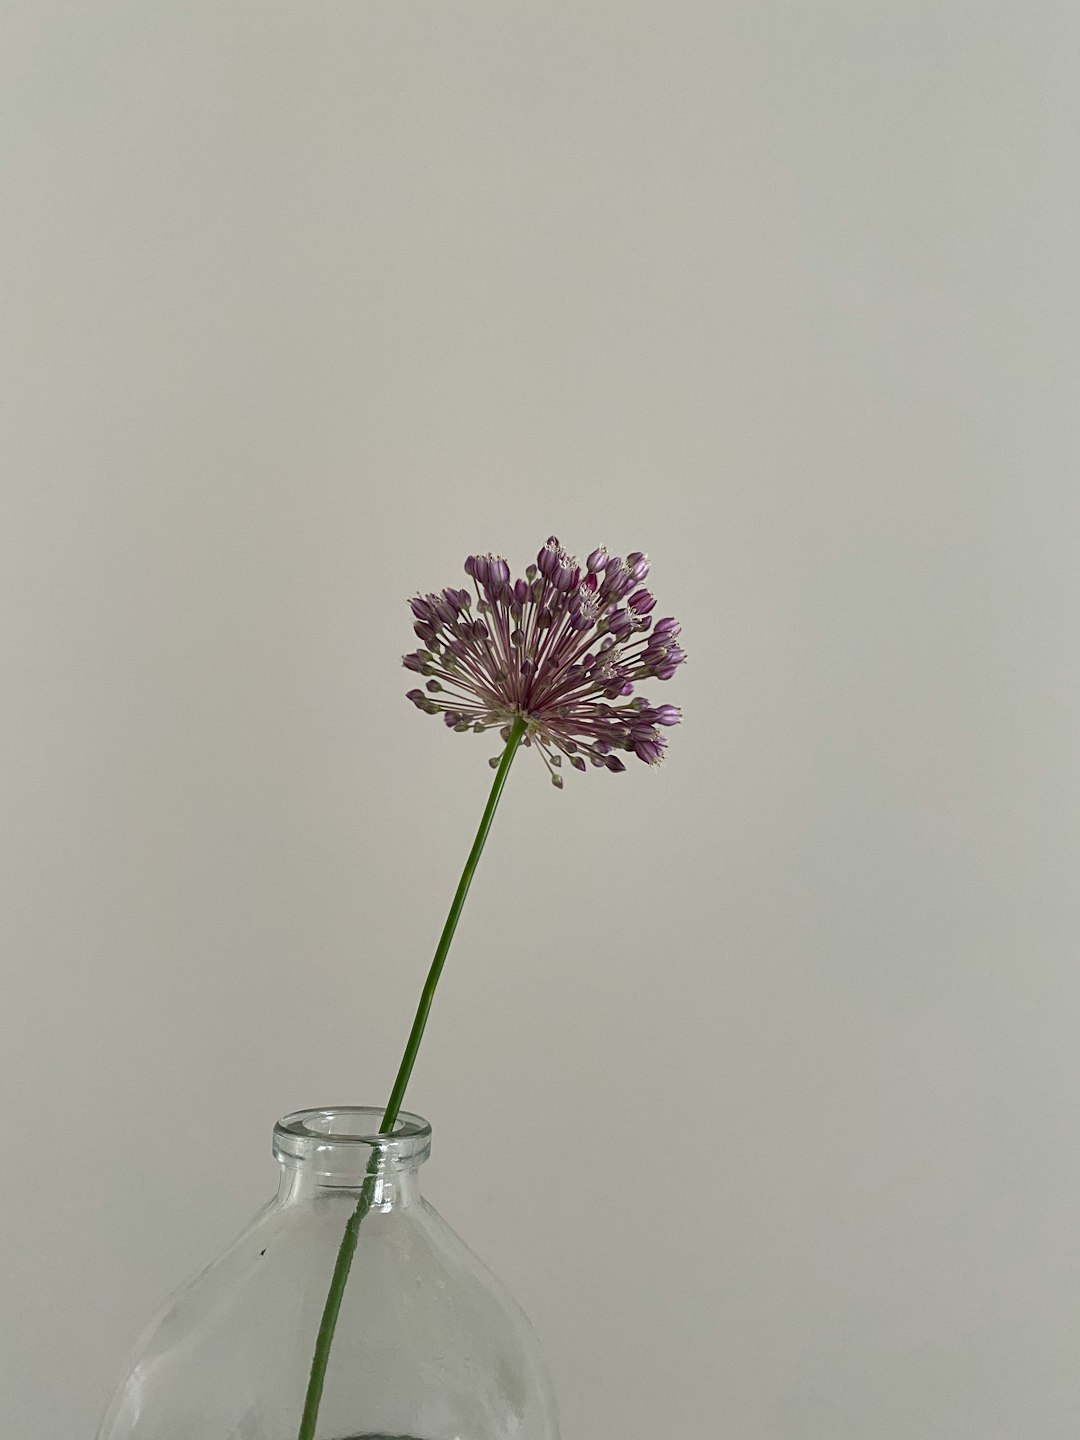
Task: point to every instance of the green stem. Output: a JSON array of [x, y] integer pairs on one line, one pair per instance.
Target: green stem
[[347, 1249]]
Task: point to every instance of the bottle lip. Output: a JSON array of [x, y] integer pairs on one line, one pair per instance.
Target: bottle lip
[[338, 1141]]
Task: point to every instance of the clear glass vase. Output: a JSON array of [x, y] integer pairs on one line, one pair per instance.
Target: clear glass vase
[[428, 1345]]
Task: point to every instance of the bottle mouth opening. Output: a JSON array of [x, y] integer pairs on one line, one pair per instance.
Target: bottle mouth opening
[[344, 1141]]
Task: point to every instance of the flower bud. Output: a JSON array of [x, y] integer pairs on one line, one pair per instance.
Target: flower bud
[[651, 751], [611, 574], [643, 730], [548, 559], [619, 624]]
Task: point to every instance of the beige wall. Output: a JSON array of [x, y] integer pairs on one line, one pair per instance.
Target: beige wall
[[302, 303]]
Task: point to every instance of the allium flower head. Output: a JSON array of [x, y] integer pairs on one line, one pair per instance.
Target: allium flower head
[[563, 649]]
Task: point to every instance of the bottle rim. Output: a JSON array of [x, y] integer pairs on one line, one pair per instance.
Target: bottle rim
[[342, 1138]]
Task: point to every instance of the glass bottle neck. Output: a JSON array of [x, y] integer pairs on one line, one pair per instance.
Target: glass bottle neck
[[339, 1151]]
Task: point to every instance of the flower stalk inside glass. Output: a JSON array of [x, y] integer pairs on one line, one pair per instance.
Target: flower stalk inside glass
[[551, 662]]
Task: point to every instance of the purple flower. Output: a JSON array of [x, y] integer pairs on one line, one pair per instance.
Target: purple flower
[[562, 648]]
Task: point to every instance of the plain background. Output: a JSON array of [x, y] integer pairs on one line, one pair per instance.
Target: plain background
[[755, 1077]]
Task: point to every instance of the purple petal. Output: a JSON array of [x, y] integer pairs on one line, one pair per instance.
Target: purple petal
[[619, 624], [548, 559], [641, 601], [651, 751]]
